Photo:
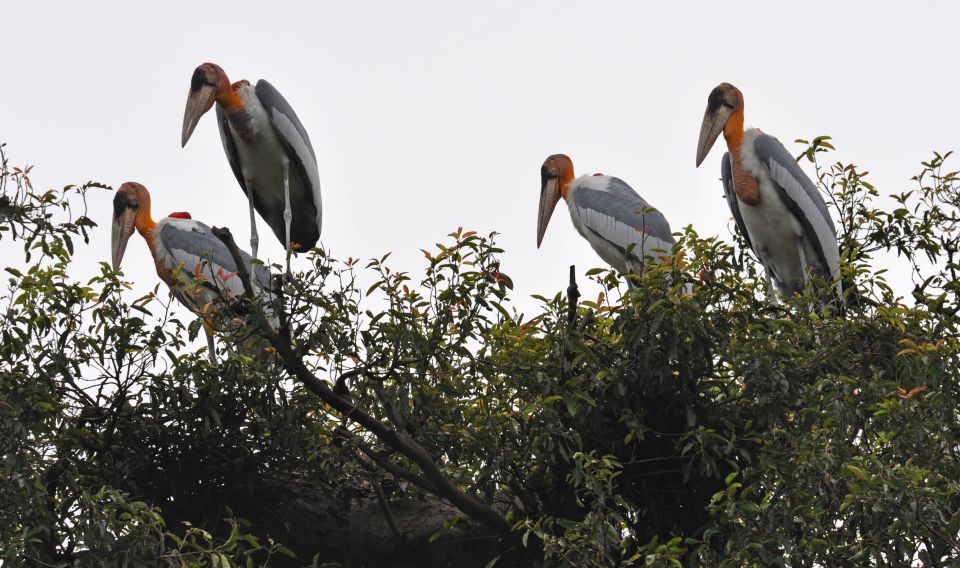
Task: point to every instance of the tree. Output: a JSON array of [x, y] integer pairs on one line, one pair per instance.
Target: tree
[[422, 421]]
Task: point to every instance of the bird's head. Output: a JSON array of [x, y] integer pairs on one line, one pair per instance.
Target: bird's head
[[555, 177], [130, 202], [724, 102], [208, 84]]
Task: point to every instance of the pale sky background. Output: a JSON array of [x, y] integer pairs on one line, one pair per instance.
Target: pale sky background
[[426, 116]]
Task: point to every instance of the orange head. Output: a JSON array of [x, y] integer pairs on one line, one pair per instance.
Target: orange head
[[131, 210], [556, 173], [724, 114], [208, 85]]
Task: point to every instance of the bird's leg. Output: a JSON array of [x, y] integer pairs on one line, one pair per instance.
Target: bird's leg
[[803, 259], [804, 267], [626, 275], [287, 212], [772, 295], [208, 329], [254, 239]]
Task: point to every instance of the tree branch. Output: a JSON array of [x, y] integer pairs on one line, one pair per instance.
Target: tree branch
[[396, 470], [398, 440]]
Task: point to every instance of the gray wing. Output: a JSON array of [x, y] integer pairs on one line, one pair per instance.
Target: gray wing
[[726, 174], [192, 244], [230, 149], [803, 199], [294, 138], [617, 214]]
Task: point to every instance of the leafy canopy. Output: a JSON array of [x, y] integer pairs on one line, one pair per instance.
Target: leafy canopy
[[652, 427]]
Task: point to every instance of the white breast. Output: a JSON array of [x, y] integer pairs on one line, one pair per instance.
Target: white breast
[[262, 161], [774, 231]]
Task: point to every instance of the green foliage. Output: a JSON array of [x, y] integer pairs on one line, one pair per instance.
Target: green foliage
[[655, 428], [96, 409]]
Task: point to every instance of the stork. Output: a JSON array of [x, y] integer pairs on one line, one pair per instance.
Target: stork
[[619, 224], [195, 264], [268, 150], [778, 210]]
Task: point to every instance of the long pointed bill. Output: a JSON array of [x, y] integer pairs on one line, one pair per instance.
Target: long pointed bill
[[549, 197], [710, 130], [198, 102], [123, 225]]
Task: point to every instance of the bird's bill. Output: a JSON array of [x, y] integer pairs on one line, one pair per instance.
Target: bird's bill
[[124, 221], [713, 124], [198, 102], [549, 197]]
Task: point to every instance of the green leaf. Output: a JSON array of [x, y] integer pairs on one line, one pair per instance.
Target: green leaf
[[571, 406], [859, 473]]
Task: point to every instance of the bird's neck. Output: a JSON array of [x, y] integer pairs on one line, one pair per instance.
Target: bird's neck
[[733, 131], [744, 184], [243, 125], [145, 224], [566, 179], [237, 113], [229, 100], [144, 221]]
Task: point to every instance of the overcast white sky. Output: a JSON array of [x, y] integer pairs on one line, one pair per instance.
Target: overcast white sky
[[426, 116]]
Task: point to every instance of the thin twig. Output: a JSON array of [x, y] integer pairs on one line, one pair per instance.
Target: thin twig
[[382, 499]]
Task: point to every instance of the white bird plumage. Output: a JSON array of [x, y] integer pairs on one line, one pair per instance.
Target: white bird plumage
[[778, 210], [269, 152], [611, 237], [620, 226], [197, 266]]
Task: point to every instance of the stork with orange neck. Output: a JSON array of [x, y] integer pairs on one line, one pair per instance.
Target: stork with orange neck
[[269, 152], [194, 263], [619, 224], [778, 210]]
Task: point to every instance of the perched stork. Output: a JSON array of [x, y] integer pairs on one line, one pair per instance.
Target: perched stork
[[269, 152], [620, 226], [777, 208], [195, 264]]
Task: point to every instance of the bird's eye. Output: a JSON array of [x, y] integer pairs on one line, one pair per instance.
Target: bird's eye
[[716, 99], [199, 79]]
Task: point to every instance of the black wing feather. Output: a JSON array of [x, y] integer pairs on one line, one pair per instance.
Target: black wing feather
[[272, 101], [230, 148]]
